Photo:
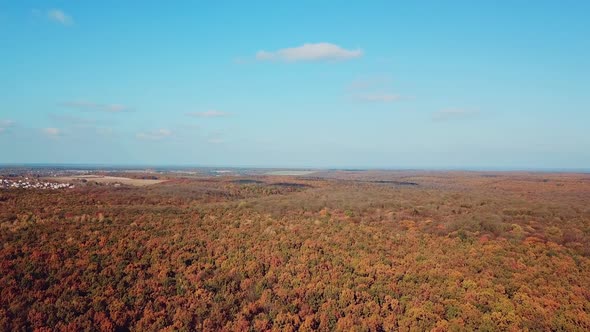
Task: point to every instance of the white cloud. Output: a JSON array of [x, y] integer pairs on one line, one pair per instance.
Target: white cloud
[[310, 52], [51, 132], [5, 124], [154, 135], [115, 108], [208, 114], [374, 89], [452, 113], [91, 106], [59, 16], [380, 97]]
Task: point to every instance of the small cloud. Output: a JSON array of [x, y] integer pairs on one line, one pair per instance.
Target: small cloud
[[59, 16], [379, 97], [115, 108], [452, 113], [154, 135], [374, 89], [309, 52], [5, 124], [51, 132], [208, 114], [91, 106]]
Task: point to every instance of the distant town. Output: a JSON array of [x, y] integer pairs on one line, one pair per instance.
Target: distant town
[[55, 177], [27, 183]]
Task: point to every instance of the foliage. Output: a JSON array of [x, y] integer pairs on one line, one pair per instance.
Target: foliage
[[458, 251]]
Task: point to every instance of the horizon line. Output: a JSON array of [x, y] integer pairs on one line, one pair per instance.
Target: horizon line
[[318, 168]]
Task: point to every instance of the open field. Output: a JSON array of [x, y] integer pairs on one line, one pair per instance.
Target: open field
[[366, 251], [290, 172], [107, 180]]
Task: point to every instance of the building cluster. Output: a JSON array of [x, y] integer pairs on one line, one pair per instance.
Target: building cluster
[[27, 183]]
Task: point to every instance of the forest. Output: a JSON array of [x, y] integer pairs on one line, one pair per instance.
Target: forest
[[329, 251]]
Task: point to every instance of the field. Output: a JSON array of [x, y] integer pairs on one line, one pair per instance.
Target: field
[[338, 250], [107, 179], [290, 172]]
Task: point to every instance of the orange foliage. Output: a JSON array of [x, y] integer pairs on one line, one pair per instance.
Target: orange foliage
[[349, 251]]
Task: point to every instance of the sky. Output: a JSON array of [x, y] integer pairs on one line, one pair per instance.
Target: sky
[[327, 84]]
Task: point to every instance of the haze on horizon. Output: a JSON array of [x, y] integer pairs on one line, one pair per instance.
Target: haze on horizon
[[377, 84]]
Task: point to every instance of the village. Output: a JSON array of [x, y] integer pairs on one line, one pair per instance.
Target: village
[[26, 183]]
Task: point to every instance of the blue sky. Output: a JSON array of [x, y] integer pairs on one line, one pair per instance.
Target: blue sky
[[414, 84]]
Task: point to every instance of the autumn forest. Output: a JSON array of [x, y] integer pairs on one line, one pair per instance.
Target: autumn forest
[[332, 250]]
